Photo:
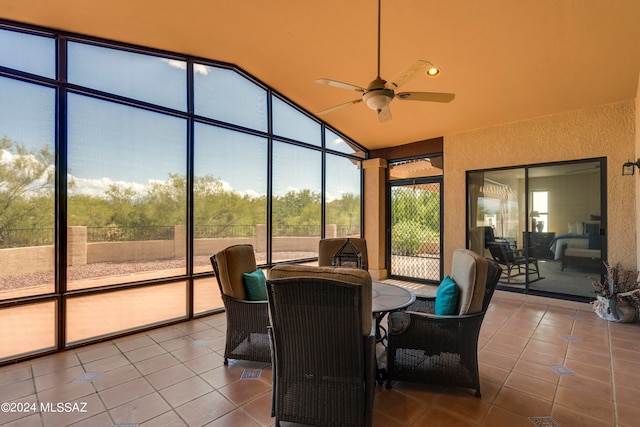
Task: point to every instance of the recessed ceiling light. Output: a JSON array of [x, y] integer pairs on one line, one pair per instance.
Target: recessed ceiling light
[[432, 71]]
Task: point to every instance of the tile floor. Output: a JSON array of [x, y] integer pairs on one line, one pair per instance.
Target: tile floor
[[174, 376]]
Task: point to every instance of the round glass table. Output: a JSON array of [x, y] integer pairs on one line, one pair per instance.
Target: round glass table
[[385, 299]]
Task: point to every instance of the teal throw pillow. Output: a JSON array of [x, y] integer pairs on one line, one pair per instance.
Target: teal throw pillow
[[255, 285], [447, 297]]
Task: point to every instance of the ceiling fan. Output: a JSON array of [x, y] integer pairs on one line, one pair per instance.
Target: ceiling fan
[[379, 93]]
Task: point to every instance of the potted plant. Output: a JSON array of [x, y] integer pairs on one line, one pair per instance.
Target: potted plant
[[618, 295]]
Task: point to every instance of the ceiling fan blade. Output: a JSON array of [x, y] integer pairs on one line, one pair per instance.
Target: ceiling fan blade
[[337, 107], [408, 74], [384, 115], [341, 85], [426, 96]]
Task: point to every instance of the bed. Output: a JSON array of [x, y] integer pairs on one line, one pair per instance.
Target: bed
[[578, 249], [571, 240]]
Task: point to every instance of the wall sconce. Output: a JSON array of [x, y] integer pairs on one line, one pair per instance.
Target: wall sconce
[[629, 168]]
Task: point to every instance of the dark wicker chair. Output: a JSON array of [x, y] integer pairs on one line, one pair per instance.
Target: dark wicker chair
[[514, 263], [323, 364], [443, 350], [247, 336]]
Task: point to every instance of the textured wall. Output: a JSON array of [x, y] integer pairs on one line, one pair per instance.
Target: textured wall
[[601, 131], [637, 188]]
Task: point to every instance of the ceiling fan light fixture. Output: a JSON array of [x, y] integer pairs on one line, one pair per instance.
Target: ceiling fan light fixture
[[432, 71], [378, 99]]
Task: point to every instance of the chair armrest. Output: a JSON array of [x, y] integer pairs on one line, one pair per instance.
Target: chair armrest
[[423, 304], [373, 331], [245, 301], [457, 317], [427, 331]]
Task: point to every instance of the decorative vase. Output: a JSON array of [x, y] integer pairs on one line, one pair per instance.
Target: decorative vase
[[605, 307], [540, 226]]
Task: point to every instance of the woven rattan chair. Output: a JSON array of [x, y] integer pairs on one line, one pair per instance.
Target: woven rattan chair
[[323, 362], [443, 350], [247, 337], [327, 248]]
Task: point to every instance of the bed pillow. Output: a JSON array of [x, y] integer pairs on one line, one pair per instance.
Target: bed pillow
[[447, 297], [591, 227], [595, 241], [255, 285]]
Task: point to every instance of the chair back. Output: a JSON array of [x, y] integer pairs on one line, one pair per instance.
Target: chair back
[[319, 368], [502, 252], [229, 265], [469, 271], [327, 248], [489, 236], [356, 276], [494, 271]]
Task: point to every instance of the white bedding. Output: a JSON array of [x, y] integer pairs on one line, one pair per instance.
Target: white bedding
[[572, 242]]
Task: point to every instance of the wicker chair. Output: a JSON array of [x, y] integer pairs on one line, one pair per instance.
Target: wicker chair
[[247, 336], [327, 248], [443, 350], [323, 362]]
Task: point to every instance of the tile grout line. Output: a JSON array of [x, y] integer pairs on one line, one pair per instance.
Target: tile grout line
[[613, 381]]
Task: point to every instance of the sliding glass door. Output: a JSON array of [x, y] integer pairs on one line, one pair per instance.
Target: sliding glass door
[[545, 224]]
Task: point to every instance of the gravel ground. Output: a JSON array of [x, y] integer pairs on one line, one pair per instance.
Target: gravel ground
[[102, 269]]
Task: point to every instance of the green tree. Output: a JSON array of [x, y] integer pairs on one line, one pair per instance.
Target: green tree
[[26, 186], [124, 202], [165, 202], [414, 220], [344, 211], [298, 208], [216, 205]]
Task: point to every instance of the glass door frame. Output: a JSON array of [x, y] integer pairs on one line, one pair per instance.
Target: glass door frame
[[470, 235]]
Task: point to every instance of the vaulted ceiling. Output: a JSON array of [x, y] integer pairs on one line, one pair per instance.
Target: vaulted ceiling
[[505, 60]]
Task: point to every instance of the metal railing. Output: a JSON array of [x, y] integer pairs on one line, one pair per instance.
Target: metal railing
[[296, 230], [23, 237], [129, 234], [222, 231]]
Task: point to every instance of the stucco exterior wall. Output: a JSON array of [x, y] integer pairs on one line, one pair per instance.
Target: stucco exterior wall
[[601, 131], [637, 177]]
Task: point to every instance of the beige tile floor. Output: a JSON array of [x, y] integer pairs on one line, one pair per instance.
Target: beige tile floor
[[174, 376]]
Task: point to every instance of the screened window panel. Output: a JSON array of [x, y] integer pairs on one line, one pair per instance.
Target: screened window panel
[[227, 96], [296, 202], [27, 329], [109, 313], [27, 127], [335, 142], [29, 53], [126, 194], [342, 196], [125, 199], [138, 76], [293, 124], [230, 187], [206, 295]]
